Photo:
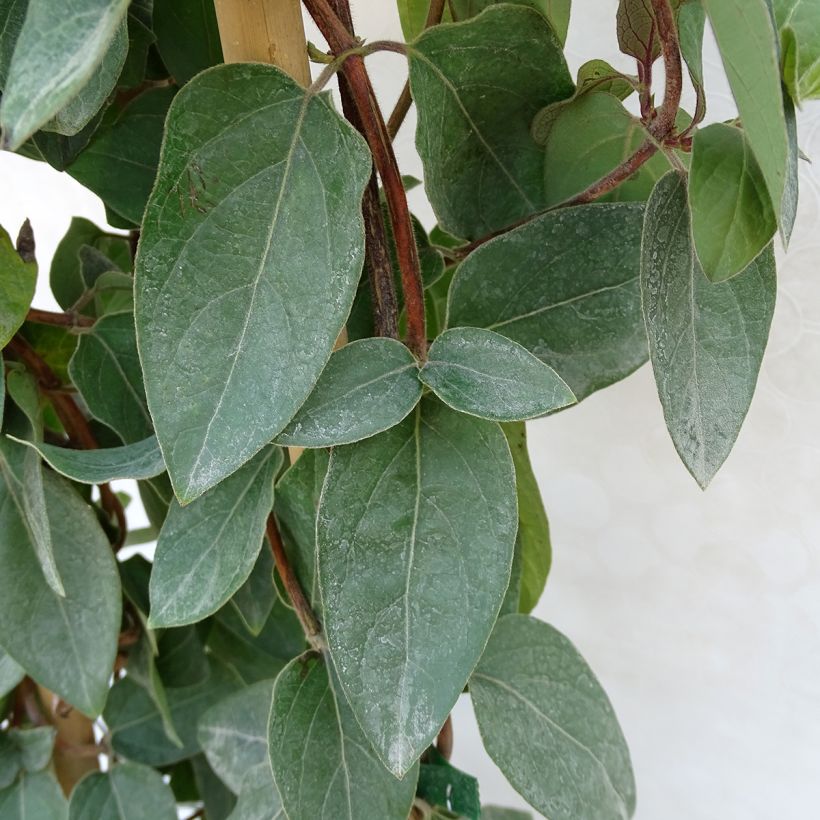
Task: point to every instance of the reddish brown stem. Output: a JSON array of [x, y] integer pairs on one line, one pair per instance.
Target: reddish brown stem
[[394, 122], [396, 119], [73, 420], [377, 253], [444, 741], [375, 132], [47, 317], [310, 623], [664, 123]]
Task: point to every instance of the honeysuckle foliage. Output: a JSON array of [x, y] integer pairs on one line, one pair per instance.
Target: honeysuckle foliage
[[322, 404]]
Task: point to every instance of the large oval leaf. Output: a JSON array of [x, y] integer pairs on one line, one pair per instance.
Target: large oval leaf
[[415, 536], [477, 86], [706, 340], [367, 387], [66, 643], [250, 254], [571, 759], [323, 765], [56, 53], [565, 286], [206, 551]]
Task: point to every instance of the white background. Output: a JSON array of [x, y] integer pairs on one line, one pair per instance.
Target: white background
[[700, 612]]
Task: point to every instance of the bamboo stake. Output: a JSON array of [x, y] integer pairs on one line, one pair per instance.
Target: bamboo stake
[[74, 730], [264, 31]]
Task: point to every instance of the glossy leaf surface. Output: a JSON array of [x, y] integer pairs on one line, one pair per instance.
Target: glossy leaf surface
[[367, 387], [415, 538], [206, 551], [707, 340], [572, 761], [224, 328], [66, 643], [58, 49], [323, 765], [490, 376]]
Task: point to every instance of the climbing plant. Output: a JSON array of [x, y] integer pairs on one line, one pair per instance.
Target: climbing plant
[[322, 405]]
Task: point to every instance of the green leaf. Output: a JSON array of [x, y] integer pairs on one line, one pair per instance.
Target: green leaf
[[67, 644], [549, 726], [27, 750], [22, 471], [67, 280], [56, 54], [12, 15], [441, 784], [788, 209], [296, 505], [802, 22], [127, 791], [181, 657], [233, 733], [254, 600], [140, 40], [637, 30], [487, 375], [415, 529], [746, 36], [556, 11], [256, 657], [599, 75], [230, 359], [206, 551], [22, 477], [93, 96], [569, 294], [259, 801], [367, 387], [706, 340], [322, 764], [588, 138], [413, 16], [11, 673], [534, 543], [136, 726], [33, 797], [120, 162], [691, 26], [187, 36], [135, 461], [106, 370], [142, 669], [218, 800], [18, 279], [732, 217], [477, 86]]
